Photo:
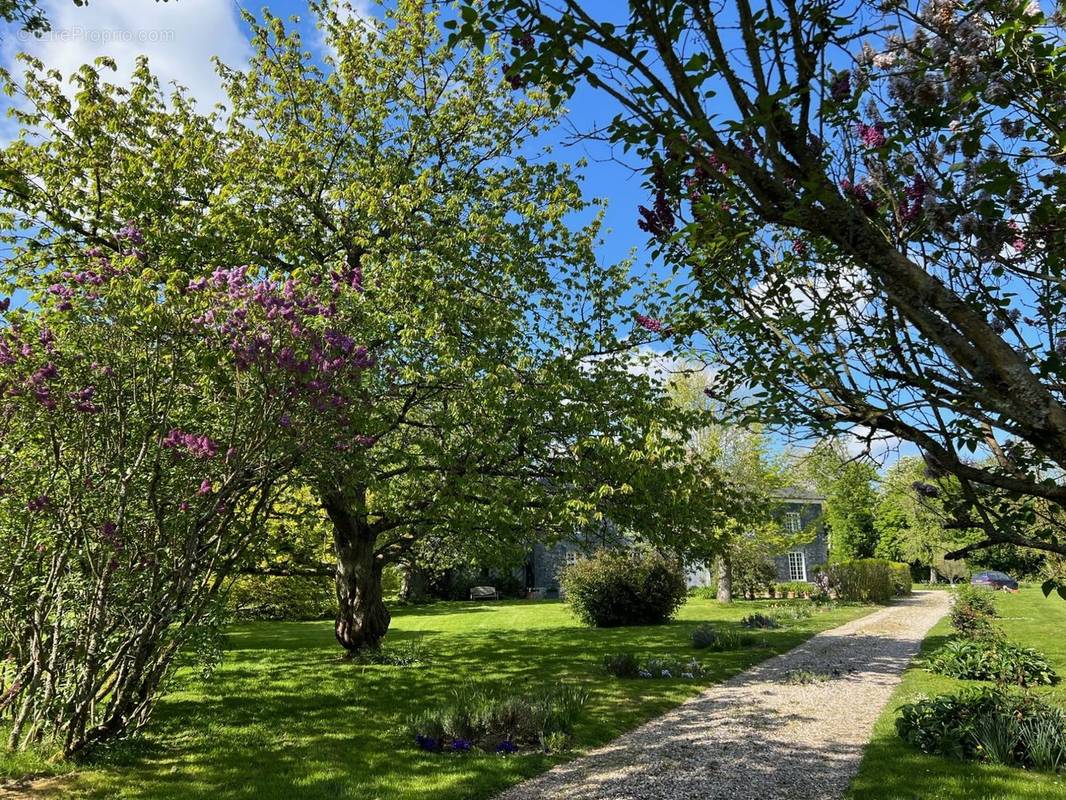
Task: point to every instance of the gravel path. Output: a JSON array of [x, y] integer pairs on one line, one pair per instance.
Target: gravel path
[[756, 736]]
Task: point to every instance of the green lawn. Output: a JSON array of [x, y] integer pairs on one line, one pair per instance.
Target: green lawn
[[285, 717], [891, 770]]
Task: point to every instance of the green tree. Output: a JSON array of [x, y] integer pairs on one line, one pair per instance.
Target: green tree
[[746, 533], [910, 526], [866, 198], [847, 483], [499, 399]]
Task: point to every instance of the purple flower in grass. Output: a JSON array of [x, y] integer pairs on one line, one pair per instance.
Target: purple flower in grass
[[461, 745], [427, 743], [506, 748]]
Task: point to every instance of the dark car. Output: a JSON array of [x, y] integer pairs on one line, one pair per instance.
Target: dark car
[[995, 580]]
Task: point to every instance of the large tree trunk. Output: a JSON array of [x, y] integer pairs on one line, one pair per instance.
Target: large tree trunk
[[362, 619], [725, 579]]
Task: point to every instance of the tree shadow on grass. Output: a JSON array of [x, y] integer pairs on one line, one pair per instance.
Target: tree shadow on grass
[[285, 717]]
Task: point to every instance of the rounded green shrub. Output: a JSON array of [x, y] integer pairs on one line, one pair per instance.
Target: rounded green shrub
[[616, 587], [991, 724], [993, 659], [973, 612], [281, 597]]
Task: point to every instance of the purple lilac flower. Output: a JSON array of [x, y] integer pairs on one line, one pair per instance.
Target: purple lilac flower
[[860, 194], [650, 324], [364, 440], [205, 487], [39, 503], [873, 136], [915, 197], [840, 89], [130, 233], [83, 400], [926, 489]]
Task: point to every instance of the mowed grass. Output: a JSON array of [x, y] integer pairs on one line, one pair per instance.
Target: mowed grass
[[285, 716], [892, 770]]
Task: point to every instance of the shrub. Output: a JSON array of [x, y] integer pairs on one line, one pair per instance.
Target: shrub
[[281, 597], [622, 665], [901, 577], [617, 587], [992, 659], [708, 637], [759, 621], [476, 718], [868, 580], [628, 665], [989, 724], [973, 612], [798, 588], [703, 592]]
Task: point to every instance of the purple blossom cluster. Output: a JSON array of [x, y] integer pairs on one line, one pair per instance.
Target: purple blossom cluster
[[860, 193], [39, 504], [873, 136], [196, 445], [659, 219], [840, 88], [651, 324], [38, 385], [914, 199], [83, 400], [427, 742]]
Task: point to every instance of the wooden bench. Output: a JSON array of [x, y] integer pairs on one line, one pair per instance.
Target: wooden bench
[[484, 593]]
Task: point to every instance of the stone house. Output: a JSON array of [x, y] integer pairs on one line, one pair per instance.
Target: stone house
[[801, 511]]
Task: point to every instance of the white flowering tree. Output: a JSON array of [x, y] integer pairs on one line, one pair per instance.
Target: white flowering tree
[[865, 198]]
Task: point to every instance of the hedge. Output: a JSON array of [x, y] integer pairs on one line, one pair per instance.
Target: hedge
[[869, 580]]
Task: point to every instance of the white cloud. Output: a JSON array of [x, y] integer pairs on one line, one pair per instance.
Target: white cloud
[[179, 39]]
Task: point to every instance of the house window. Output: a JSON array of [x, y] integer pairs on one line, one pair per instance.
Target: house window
[[571, 557], [793, 522], [797, 566]]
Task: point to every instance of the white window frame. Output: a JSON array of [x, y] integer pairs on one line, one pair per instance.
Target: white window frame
[[570, 557], [797, 565], [793, 522]]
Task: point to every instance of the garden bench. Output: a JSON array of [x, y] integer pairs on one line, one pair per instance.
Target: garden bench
[[484, 593]]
